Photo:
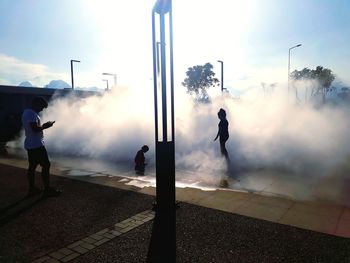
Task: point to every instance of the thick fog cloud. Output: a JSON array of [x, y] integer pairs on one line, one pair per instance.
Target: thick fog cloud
[[112, 125], [265, 131]]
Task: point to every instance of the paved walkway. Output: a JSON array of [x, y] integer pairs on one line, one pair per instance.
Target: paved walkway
[[321, 216], [85, 224]]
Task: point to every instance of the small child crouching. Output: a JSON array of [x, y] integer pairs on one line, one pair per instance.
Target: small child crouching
[[140, 160]]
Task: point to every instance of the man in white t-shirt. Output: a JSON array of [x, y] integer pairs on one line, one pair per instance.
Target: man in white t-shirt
[[35, 146]]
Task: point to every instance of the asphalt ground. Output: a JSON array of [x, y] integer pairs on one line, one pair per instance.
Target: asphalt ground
[[33, 227]]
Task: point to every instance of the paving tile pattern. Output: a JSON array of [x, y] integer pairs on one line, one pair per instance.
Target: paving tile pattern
[[84, 245]]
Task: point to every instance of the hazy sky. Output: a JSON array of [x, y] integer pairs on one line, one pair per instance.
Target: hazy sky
[[38, 39]]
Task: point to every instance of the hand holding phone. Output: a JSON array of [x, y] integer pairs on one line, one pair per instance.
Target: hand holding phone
[[48, 124]]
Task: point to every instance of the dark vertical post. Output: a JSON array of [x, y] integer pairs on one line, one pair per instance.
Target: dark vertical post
[[288, 68], [114, 76], [222, 76], [71, 70], [71, 73], [296, 95], [107, 84], [163, 242]]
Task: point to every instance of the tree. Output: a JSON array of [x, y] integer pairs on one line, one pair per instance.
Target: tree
[[199, 79], [301, 75], [323, 76]]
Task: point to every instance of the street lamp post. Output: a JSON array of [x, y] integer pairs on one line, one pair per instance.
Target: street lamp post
[[222, 76], [114, 76], [107, 83], [162, 246], [71, 71], [289, 63]]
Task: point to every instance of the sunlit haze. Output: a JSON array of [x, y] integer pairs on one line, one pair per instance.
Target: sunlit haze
[[251, 37]]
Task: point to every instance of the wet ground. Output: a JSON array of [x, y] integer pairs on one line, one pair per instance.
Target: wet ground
[[264, 181]]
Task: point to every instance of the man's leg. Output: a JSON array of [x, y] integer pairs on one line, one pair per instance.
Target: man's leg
[[31, 174], [45, 174], [33, 163], [45, 167]]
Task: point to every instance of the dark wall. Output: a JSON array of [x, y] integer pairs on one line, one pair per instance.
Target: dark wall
[[13, 101]]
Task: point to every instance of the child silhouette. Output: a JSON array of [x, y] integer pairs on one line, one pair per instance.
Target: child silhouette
[[140, 160]]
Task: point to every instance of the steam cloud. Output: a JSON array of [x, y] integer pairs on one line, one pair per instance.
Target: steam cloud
[[265, 131]]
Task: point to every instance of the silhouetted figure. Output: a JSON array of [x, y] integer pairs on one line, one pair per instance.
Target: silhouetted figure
[[35, 146], [140, 160], [223, 132]]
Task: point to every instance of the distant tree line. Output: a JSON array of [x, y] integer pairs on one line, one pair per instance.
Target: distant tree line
[[323, 77], [200, 78]]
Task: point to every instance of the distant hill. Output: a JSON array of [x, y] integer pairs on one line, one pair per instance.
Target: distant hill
[[58, 84], [25, 84]]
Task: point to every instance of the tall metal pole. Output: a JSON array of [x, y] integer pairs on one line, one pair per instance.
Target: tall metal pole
[[222, 76], [163, 241], [288, 69], [289, 63], [107, 83], [71, 71]]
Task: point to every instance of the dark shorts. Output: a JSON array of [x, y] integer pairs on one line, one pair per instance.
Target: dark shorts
[[38, 156]]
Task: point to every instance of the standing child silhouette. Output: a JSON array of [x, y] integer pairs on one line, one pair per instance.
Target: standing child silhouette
[[223, 132]]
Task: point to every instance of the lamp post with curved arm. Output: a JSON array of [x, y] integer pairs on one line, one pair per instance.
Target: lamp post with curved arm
[[71, 70], [114, 76], [289, 63], [222, 76]]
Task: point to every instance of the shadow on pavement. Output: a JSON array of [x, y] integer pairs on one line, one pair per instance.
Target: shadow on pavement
[[15, 209], [162, 247]]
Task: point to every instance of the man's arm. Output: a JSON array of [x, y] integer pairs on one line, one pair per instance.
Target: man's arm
[[37, 128]]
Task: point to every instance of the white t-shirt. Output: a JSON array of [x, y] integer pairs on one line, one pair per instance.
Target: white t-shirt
[[33, 139]]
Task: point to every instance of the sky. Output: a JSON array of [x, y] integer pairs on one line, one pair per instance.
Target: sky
[[39, 38]]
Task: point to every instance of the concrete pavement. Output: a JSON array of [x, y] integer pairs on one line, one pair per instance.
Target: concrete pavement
[[93, 206]]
